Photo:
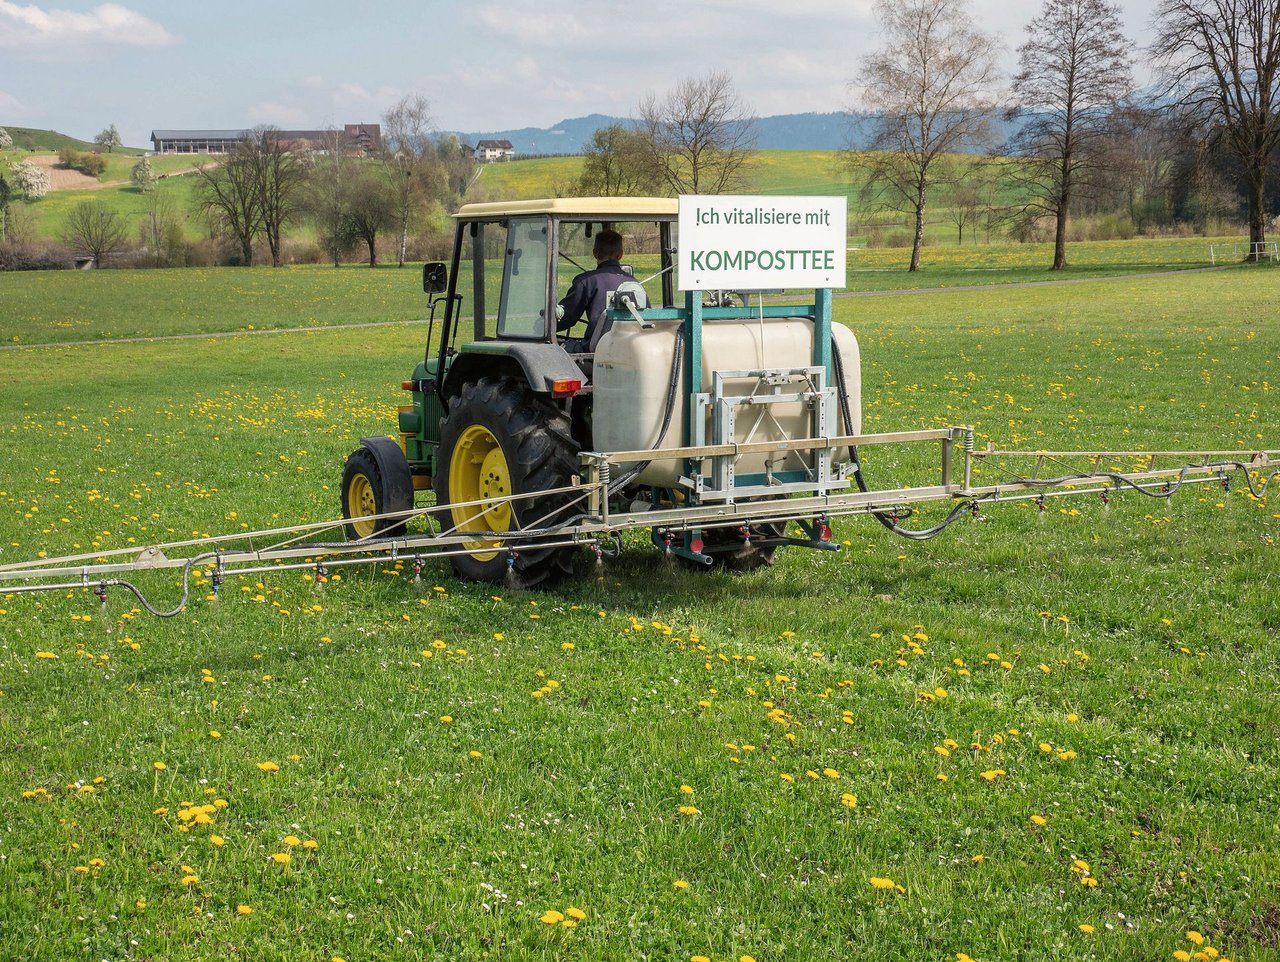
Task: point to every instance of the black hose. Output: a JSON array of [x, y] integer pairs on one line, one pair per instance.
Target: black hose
[[880, 515], [677, 358]]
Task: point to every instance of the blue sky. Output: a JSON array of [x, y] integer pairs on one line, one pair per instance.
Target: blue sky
[[484, 64]]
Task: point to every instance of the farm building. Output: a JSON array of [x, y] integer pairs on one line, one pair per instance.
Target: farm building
[[491, 150], [362, 139]]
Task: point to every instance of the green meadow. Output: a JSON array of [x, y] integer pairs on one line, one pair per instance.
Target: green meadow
[[1042, 735]]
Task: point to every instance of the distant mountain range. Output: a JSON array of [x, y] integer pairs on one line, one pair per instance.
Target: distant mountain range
[[808, 131], [811, 131]]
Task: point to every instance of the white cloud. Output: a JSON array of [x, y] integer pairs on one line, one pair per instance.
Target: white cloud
[[535, 23], [108, 23]]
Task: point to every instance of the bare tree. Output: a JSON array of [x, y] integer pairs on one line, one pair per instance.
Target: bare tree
[[373, 209], [409, 160], [970, 185], [700, 137], [279, 170], [329, 192], [929, 86], [615, 163], [1221, 60], [1073, 74], [228, 195], [160, 231], [93, 229]]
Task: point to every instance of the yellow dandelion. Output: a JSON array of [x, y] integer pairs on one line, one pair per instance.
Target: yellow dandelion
[[680, 884], [217, 840], [1195, 937], [1039, 820], [268, 767], [1086, 928], [831, 773], [159, 766], [292, 840], [281, 858], [689, 810], [189, 880], [575, 913], [551, 917], [244, 910], [686, 789], [311, 845], [882, 883]]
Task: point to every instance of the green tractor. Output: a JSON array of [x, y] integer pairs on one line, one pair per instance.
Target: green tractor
[[504, 406]]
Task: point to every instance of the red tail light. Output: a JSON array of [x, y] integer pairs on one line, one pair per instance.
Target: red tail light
[[566, 387]]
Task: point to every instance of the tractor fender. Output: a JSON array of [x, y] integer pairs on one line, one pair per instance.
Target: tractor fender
[[539, 365], [397, 478]]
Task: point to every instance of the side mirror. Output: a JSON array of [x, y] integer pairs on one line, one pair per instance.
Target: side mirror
[[435, 278]]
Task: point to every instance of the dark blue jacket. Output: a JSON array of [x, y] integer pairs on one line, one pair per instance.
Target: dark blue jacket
[[588, 296]]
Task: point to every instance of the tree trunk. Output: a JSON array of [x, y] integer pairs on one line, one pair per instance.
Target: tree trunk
[[1060, 240], [1257, 216], [373, 252], [918, 241], [246, 251]]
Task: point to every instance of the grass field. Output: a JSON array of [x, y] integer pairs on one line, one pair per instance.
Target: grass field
[[1036, 737], [66, 306]]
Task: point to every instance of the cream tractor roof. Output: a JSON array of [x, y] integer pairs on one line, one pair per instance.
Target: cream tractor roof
[[594, 208]]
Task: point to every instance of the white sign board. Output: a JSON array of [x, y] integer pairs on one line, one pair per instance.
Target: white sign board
[[741, 243]]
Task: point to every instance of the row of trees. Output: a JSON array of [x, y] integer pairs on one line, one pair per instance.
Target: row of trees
[[1082, 140], [932, 87], [266, 184]]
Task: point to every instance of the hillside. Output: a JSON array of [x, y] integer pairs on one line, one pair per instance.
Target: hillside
[[34, 138], [805, 131]]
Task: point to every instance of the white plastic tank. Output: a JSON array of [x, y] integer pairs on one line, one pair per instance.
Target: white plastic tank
[[633, 370]]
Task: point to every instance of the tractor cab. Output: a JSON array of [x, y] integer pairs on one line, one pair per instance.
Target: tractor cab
[[512, 264]]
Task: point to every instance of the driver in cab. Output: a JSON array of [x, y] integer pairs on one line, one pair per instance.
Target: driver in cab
[[589, 292]]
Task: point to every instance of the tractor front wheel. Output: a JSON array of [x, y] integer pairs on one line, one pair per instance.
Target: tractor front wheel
[[370, 489], [500, 439]]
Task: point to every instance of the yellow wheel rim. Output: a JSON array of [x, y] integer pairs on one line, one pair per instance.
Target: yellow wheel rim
[[362, 503], [478, 471]]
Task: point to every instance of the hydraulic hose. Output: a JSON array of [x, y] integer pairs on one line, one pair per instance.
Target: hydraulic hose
[[912, 535], [677, 359]]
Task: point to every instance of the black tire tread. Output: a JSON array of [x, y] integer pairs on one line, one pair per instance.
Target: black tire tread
[[541, 455]]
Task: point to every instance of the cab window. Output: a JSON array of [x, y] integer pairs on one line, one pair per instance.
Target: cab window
[[522, 313]]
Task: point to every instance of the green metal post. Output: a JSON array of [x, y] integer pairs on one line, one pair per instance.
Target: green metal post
[[692, 358], [822, 330]]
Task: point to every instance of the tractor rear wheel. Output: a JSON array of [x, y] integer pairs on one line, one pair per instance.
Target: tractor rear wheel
[[500, 439], [367, 490]]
